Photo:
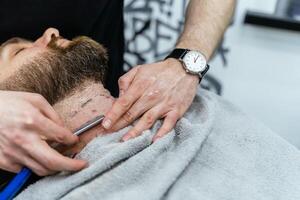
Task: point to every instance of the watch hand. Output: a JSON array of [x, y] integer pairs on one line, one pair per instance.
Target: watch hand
[[195, 60]]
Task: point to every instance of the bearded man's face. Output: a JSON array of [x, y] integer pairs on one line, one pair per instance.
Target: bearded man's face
[[51, 66]]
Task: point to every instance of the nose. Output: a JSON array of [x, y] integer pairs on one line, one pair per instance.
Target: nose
[[46, 37]]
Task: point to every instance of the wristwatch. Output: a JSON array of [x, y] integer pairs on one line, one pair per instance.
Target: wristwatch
[[194, 62]]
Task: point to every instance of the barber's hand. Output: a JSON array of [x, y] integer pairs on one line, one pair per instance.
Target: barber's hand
[[27, 123], [152, 91]]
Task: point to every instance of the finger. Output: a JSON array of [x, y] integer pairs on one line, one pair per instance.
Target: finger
[[146, 121], [25, 160], [45, 108], [121, 123], [122, 105], [125, 80], [37, 168], [47, 156], [147, 101], [168, 124], [7, 165], [54, 132], [135, 112], [20, 158]]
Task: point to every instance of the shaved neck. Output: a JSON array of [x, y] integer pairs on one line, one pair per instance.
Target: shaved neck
[[82, 105]]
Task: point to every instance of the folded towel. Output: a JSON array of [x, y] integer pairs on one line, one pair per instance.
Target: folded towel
[[214, 152]]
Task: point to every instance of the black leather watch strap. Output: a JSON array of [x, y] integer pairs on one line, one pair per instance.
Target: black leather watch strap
[[177, 53]]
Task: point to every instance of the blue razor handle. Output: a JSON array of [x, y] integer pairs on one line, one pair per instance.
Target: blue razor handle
[[16, 184]]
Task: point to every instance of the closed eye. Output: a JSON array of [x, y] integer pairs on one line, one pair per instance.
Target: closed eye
[[21, 49]]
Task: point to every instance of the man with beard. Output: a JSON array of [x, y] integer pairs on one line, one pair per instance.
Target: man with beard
[[102, 20], [214, 152], [54, 68]]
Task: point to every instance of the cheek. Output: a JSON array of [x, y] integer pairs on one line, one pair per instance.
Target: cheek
[[11, 66], [7, 67], [27, 55], [2, 70]]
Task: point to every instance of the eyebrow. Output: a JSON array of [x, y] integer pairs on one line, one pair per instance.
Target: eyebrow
[[15, 40]]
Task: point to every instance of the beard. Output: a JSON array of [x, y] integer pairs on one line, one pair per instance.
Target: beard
[[59, 71]]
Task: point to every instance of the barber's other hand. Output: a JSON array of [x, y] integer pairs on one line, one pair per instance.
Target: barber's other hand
[[152, 91], [27, 123]]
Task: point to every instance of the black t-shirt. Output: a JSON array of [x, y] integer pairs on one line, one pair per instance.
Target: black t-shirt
[[101, 20]]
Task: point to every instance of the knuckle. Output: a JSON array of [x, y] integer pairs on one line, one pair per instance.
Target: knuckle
[[7, 133], [7, 152], [112, 115], [149, 119], [172, 104], [175, 114], [50, 164], [5, 163], [60, 137], [14, 136], [128, 117], [124, 102], [18, 138], [172, 119], [152, 95], [30, 118], [122, 81]]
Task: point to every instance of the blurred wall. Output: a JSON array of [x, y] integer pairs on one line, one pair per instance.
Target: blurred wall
[[262, 75], [151, 28]]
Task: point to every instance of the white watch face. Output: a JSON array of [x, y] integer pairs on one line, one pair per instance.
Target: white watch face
[[195, 61]]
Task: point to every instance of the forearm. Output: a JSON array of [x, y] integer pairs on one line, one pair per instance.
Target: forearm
[[206, 21]]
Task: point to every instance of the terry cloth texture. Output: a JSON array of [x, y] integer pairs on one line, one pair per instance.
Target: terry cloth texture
[[214, 152]]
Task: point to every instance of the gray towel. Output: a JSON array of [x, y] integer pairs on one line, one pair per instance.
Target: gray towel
[[214, 152]]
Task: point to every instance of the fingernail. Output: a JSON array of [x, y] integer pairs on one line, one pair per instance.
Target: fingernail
[[126, 137], [156, 138], [85, 163], [106, 124]]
